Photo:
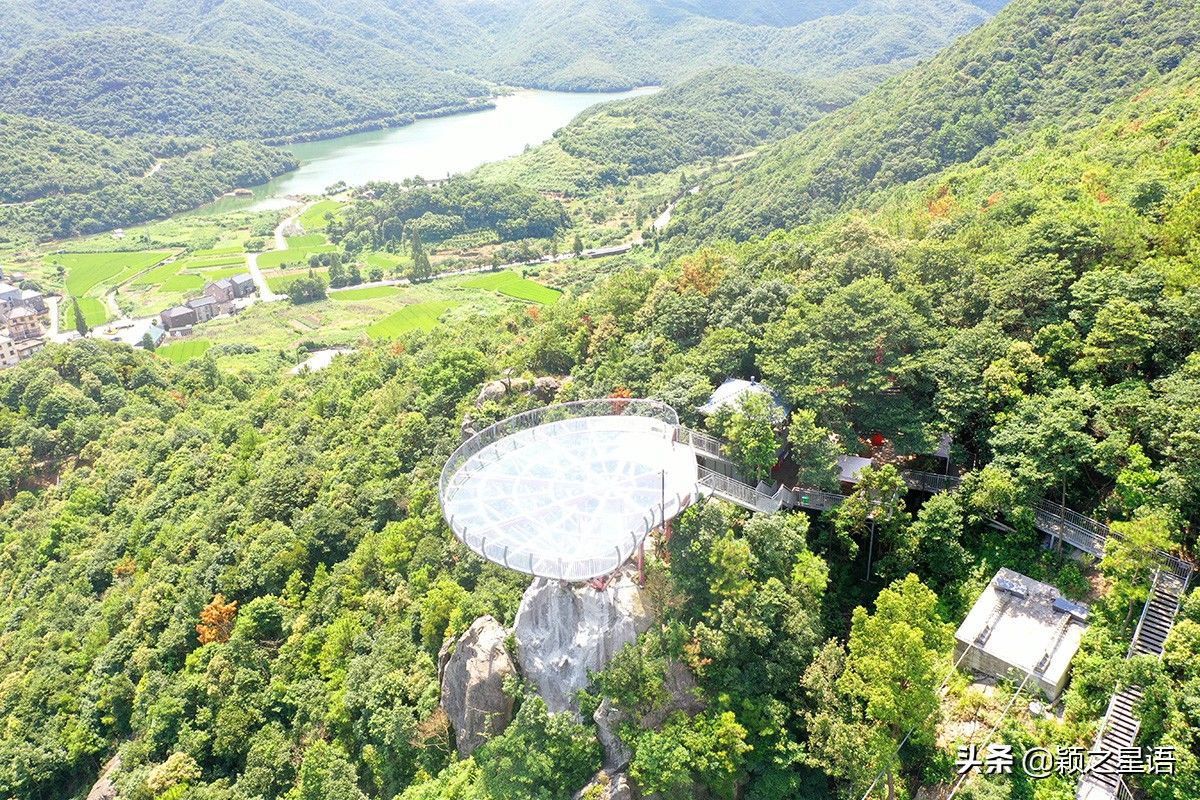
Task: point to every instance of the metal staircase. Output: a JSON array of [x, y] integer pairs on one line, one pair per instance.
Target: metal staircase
[[1120, 726]]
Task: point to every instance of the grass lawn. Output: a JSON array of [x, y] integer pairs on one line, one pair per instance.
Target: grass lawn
[[314, 218], [513, 285], [85, 271], [387, 261], [419, 316], [296, 254], [95, 313], [186, 350], [370, 293], [211, 275], [279, 281]]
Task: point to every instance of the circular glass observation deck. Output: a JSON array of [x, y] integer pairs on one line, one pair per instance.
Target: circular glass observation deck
[[569, 491]]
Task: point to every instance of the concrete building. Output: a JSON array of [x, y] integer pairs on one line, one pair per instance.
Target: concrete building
[[177, 318], [34, 300], [8, 352], [221, 291], [1020, 626], [9, 294], [23, 323], [29, 348], [205, 307], [243, 285]]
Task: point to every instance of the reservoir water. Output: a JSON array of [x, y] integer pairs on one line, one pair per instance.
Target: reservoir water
[[430, 148]]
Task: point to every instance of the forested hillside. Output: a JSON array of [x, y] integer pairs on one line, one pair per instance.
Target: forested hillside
[[239, 581], [1051, 62], [66, 198], [41, 158], [123, 82], [711, 115]]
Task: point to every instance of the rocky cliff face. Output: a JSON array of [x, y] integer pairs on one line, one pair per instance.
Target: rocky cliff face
[[473, 685], [565, 631]]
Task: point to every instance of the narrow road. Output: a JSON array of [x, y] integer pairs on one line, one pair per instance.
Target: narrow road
[[264, 289]]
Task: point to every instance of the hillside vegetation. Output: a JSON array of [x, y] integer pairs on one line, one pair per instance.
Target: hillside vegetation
[[1039, 63]]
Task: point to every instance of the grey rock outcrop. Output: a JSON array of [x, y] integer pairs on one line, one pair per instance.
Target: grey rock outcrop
[[608, 786], [608, 718], [564, 632], [473, 685]]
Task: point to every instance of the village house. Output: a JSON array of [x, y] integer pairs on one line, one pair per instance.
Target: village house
[[9, 295], [178, 321], [243, 285], [34, 300], [23, 323], [206, 307], [221, 291], [8, 352]]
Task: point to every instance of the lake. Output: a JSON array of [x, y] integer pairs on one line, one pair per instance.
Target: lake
[[430, 148]]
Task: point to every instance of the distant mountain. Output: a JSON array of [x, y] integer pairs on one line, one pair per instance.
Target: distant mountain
[[286, 68], [596, 44], [1040, 62]]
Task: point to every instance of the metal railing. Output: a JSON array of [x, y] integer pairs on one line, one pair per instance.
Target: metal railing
[[578, 410], [703, 442], [736, 491], [493, 443]]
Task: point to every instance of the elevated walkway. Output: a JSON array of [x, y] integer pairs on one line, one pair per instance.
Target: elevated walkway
[[1120, 726]]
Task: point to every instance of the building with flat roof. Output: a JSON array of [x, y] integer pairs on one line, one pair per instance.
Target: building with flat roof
[[1020, 627]]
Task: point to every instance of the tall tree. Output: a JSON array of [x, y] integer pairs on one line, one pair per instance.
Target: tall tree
[[80, 321], [894, 663]]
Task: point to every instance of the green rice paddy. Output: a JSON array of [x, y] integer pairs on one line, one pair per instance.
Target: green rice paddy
[[511, 284], [419, 316], [185, 350]]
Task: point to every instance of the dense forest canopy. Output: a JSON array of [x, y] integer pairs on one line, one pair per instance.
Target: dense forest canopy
[[240, 580], [1037, 64]]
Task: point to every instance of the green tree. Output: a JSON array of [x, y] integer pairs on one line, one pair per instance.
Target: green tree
[[814, 451], [895, 659], [707, 750], [81, 325], [421, 268], [753, 441], [540, 756], [577, 245], [326, 773]]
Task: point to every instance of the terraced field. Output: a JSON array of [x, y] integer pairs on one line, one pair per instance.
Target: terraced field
[[185, 350], [511, 284], [314, 219], [419, 316], [297, 253], [369, 293], [87, 271]]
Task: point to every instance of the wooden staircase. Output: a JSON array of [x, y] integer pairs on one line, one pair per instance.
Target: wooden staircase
[[1120, 726]]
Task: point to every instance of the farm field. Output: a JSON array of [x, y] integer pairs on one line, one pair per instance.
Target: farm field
[[419, 316], [185, 350], [314, 219], [387, 261], [95, 313], [278, 281], [513, 285], [298, 251], [86, 271]]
